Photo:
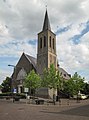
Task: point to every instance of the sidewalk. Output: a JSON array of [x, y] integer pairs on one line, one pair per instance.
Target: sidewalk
[[64, 102]]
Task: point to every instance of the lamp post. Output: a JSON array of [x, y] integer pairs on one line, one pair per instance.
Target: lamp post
[[14, 80], [12, 65]]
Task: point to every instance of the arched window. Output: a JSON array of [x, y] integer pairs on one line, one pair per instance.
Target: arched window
[[53, 43], [44, 41], [50, 59], [40, 42], [50, 41], [21, 74]]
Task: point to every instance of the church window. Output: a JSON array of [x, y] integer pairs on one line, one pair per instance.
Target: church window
[[21, 74], [54, 60], [50, 41], [53, 43], [61, 73], [50, 59], [40, 42], [65, 75], [44, 41]]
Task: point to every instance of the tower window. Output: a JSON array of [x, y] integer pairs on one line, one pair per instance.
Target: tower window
[[44, 41], [50, 59], [54, 58], [50, 41], [53, 43], [40, 42]]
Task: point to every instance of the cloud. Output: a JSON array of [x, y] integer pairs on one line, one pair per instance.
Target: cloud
[[61, 30], [74, 57], [77, 38], [21, 21], [4, 73]]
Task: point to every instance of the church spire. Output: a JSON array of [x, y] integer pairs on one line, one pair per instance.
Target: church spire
[[46, 25]]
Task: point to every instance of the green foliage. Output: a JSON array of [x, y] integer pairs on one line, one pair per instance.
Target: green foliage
[[78, 82], [74, 85], [10, 94], [45, 79], [69, 87], [32, 81], [6, 85], [86, 88], [51, 78], [59, 80], [0, 86]]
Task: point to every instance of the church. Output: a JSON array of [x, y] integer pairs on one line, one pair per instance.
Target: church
[[46, 55]]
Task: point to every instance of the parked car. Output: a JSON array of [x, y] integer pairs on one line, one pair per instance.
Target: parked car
[[83, 96], [80, 96]]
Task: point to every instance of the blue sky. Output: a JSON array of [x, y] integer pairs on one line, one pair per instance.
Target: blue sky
[[77, 38], [20, 23]]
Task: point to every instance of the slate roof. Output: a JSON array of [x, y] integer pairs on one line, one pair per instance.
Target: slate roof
[[64, 74], [46, 25], [32, 60]]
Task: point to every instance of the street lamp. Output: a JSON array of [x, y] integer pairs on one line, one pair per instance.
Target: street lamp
[[14, 78], [11, 65], [16, 83]]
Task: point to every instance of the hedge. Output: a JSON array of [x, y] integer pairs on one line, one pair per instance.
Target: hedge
[[21, 95]]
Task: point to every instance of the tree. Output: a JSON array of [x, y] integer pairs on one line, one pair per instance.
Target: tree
[[51, 79], [60, 85], [74, 85], [59, 80], [0, 88], [32, 81], [78, 82], [6, 85], [68, 88], [86, 89], [45, 79]]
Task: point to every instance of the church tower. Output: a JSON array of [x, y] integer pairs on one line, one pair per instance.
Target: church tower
[[46, 52]]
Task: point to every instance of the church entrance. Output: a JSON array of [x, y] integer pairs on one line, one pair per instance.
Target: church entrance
[[20, 89]]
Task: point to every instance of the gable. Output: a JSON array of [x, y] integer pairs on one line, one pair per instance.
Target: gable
[[27, 64], [21, 74], [64, 74]]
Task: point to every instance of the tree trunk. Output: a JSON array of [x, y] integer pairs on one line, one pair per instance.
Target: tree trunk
[[54, 96]]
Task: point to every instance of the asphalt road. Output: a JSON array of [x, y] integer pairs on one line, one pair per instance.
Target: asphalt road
[[23, 111]]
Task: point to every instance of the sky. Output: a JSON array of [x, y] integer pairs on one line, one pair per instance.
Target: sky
[[22, 20]]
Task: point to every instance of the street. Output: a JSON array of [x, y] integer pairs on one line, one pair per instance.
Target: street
[[23, 111]]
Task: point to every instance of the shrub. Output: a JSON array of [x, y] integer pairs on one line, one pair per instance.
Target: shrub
[[20, 95]]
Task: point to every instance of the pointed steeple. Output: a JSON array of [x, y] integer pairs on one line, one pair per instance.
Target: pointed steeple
[[46, 25]]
